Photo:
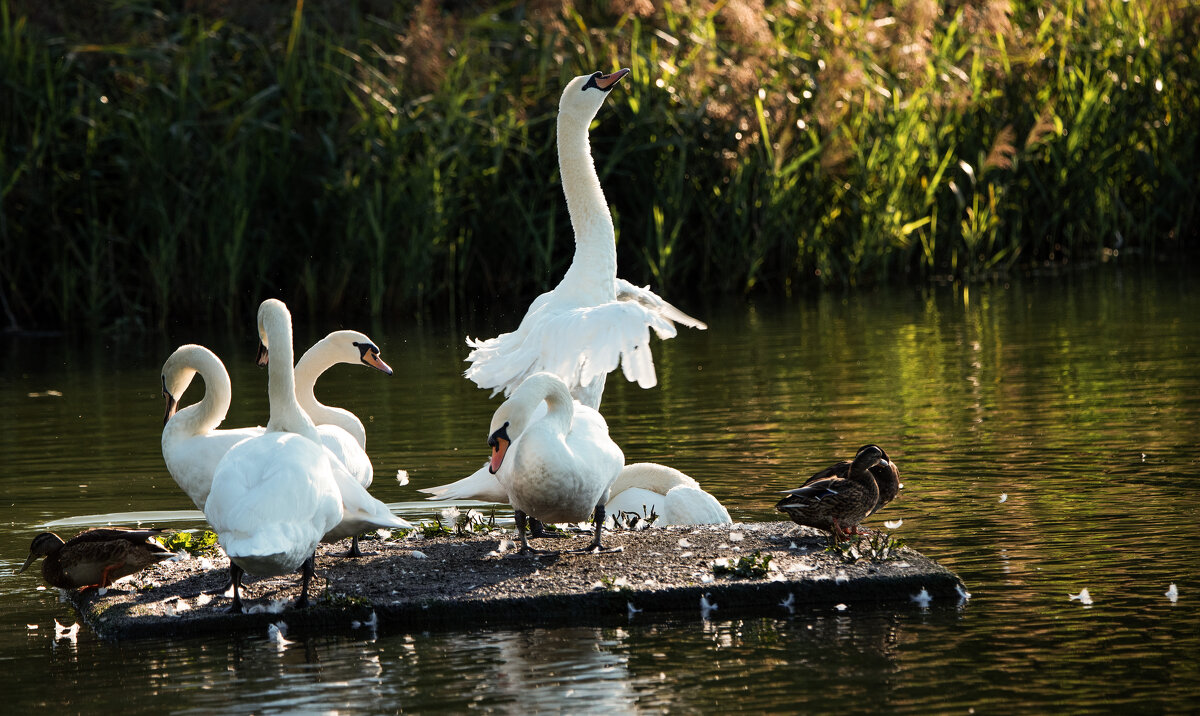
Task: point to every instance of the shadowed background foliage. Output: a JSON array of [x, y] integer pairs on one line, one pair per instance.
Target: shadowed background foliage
[[178, 162]]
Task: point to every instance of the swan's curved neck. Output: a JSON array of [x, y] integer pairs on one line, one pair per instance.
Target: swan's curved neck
[[560, 406], [312, 364], [205, 415], [286, 414], [595, 258]]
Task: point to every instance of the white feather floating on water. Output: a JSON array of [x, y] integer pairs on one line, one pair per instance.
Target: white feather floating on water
[[789, 602], [1084, 597], [840, 607], [1172, 593], [1004, 497], [922, 598], [706, 606], [70, 633], [276, 634], [632, 609], [371, 623], [893, 524], [402, 477]]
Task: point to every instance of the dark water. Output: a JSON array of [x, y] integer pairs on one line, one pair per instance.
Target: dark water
[[1077, 398]]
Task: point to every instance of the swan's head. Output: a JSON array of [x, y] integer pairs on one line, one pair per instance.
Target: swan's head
[[583, 96], [178, 372], [272, 315], [354, 348], [514, 415]]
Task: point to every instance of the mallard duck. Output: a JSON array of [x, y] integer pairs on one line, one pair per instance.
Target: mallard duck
[[837, 504], [95, 558], [886, 474]]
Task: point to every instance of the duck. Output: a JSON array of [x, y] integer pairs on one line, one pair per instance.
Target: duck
[[592, 321], [96, 557], [192, 444], [274, 496], [560, 466], [837, 504], [646, 488], [886, 474]]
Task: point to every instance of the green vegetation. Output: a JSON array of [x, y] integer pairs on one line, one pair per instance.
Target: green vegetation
[[195, 543], [754, 566], [875, 546], [181, 161]]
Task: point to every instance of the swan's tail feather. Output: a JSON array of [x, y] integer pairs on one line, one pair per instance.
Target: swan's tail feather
[[642, 294]]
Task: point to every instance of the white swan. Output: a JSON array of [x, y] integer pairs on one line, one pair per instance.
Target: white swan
[[274, 496], [677, 499], [191, 443], [561, 465], [641, 487], [591, 321]]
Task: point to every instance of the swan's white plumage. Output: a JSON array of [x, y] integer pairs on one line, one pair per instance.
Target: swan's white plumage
[[274, 496], [676, 498], [591, 322], [192, 446], [191, 443], [559, 467]]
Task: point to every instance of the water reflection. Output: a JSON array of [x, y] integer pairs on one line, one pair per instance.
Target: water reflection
[[1077, 398]]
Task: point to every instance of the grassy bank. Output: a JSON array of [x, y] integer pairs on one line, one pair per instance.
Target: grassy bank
[[161, 165]]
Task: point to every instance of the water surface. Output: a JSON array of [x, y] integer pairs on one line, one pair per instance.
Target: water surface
[[1045, 430]]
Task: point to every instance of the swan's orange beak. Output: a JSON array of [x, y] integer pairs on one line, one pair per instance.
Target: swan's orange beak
[[171, 403], [370, 356], [499, 443], [606, 82]]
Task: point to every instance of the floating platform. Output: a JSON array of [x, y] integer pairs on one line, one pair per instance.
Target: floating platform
[[478, 580]]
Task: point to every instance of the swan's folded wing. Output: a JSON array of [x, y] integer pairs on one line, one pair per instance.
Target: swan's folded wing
[[628, 292], [482, 485], [577, 344]]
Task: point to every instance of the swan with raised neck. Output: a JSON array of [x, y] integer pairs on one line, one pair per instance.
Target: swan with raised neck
[[592, 321], [350, 347]]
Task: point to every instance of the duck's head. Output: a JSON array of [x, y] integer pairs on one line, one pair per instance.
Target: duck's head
[[44, 544], [354, 347], [583, 95], [867, 457]]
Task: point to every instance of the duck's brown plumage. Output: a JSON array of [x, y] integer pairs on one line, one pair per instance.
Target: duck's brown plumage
[[835, 503], [95, 558], [887, 478]]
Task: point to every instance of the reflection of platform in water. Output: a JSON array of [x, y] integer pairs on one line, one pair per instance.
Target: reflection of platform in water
[[453, 582]]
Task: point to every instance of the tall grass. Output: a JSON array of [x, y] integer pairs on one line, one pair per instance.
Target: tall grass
[[163, 165]]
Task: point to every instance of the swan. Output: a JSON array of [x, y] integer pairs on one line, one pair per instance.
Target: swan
[[677, 499], [560, 466], [274, 496], [191, 443], [591, 321]]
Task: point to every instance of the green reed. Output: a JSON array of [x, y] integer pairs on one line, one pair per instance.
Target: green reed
[[160, 165]]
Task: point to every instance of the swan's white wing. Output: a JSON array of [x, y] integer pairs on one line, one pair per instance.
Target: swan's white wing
[[628, 292], [686, 505], [578, 344], [346, 450], [360, 511], [481, 485], [676, 498], [272, 499], [193, 460]]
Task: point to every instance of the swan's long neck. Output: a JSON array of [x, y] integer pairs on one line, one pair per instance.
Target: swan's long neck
[[204, 416], [560, 406], [595, 261], [286, 414], [313, 363]]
